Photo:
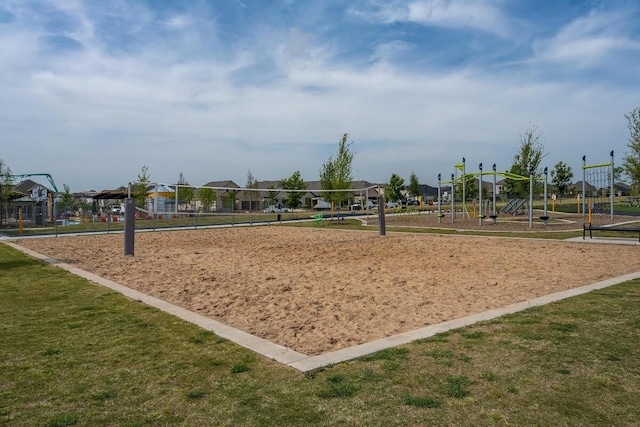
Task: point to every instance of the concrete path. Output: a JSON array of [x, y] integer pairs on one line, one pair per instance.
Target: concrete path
[[307, 363]]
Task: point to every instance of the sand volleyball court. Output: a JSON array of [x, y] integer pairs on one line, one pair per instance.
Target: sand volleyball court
[[315, 290]]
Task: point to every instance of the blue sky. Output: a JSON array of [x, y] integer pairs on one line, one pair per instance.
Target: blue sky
[[92, 91]]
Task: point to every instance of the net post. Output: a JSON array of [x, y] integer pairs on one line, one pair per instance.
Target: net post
[[480, 195], [584, 186], [612, 184], [381, 219], [129, 226], [531, 187]]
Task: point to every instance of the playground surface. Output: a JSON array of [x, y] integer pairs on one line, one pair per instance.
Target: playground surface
[[318, 290]]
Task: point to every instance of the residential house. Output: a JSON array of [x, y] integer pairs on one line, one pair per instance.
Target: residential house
[[34, 200]]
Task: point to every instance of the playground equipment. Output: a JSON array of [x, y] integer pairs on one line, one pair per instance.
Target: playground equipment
[[27, 175], [599, 178], [544, 216], [512, 207], [50, 200]]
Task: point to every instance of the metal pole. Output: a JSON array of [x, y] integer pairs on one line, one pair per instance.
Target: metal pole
[[176, 200], [584, 179], [55, 217], [464, 188], [439, 201], [454, 179], [453, 206], [545, 216], [381, 217], [494, 192], [611, 197], [531, 198], [129, 225], [480, 195]]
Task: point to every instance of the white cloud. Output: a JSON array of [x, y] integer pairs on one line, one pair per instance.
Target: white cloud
[[178, 22], [458, 14], [93, 118], [588, 40]]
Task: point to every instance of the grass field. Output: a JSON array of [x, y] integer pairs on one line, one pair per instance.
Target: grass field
[[74, 353]]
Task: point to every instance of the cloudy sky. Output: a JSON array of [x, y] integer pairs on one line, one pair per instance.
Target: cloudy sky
[[90, 91]]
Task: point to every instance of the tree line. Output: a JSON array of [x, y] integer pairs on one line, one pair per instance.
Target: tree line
[[336, 176]]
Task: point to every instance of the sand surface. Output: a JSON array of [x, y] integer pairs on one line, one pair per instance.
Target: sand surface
[[316, 289]]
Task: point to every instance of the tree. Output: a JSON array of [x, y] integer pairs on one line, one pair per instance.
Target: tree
[[561, 177], [252, 194], [414, 185], [470, 187], [294, 182], [618, 173], [207, 196], [527, 159], [6, 188], [272, 196], [631, 161], [229, 200], [140, 188], [185, 193], [67, 202], [394, 189], [335, 173]]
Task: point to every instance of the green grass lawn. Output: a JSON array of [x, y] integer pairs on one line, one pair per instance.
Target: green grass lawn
[[74, 353]]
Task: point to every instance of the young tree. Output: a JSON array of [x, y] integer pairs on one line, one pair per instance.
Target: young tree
[[335, 173], [252, 194], [207, 196], [561, 177], [527, 159], [185, 193], [229, 200], [67, 203], [631, 161], [394, 189], [470, 187], [414, 185], [140, 188], [294, 183], [6, 188], [272, 196]]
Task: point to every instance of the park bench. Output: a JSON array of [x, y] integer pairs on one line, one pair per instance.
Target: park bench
[[591, 228]]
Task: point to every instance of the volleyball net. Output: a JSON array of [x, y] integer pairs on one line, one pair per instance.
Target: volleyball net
[[160, 205]]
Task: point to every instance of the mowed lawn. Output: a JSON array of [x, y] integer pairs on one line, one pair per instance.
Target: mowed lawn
[[74, 353]]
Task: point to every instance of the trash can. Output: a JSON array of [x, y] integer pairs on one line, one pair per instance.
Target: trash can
[[39, 219], [279, 217]]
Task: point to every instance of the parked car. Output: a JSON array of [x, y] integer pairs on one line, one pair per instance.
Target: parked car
[[391, 205], [356, 207], [276, 209]]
